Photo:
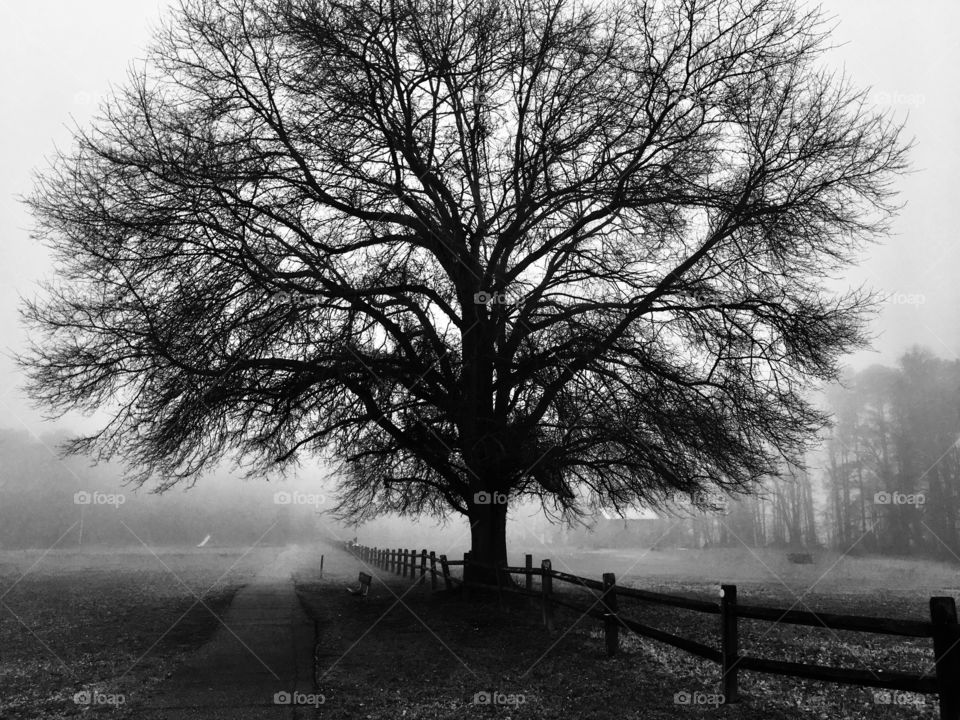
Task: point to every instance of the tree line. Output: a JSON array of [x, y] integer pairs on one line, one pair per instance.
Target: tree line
[[885, 478], [48, 501]]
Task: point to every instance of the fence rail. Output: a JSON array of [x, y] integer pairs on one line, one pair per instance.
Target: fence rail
[[942, 628]]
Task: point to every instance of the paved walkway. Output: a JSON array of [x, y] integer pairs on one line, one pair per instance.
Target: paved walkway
[[264, 647]]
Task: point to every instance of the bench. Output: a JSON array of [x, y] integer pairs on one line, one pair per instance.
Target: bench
[[800, 558], [364, 588]]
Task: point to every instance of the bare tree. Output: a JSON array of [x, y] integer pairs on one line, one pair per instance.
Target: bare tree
[[478, 250]]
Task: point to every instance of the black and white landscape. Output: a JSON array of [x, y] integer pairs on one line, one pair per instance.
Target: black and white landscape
[[479, 358]]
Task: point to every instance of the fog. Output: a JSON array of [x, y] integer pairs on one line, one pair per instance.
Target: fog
[[872, 514]]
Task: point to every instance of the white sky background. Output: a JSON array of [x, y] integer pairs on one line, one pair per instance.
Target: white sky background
[[57, 57]]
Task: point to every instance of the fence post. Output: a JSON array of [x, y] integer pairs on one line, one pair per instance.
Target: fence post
[[946, 633], [413, 565], [403, 563], [433, 570], [423, 566], [396, 561], [321, 566], [466, 564], [446, 572], [729, 643], [528, 562], [546, 589], [611, 623]]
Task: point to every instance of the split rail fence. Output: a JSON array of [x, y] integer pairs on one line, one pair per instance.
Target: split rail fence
[[942, 627]]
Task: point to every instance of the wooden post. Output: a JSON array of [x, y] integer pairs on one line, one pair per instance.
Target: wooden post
[[403, 563], [446, 572], [528, 562], [413, 565], [946, 634], [546, 589], [466, 564], [433, 570], [396, 561], [729, 643], [321, 566], [423, 566], [611, 624]]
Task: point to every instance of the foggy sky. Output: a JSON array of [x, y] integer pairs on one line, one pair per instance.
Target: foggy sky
[[58, 57]]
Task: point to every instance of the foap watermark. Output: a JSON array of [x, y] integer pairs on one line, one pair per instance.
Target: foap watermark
[[282, 297], [298, 498], [906, 299], [714, 501], [486, 697], [95, 697], [490, 297], [489, 498], [885, 97], [298, 698], [895, 697], [898, 498], [699, 698], [85, 98], [96, 497]]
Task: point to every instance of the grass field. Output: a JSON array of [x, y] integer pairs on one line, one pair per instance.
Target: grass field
[[418, 655], [103, 620], [119, 622]]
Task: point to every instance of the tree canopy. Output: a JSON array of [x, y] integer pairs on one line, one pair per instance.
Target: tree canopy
[[477, 250]]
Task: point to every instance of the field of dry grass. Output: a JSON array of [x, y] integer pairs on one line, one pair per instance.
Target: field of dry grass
[[114, 622], [120, 622], [409, 653]]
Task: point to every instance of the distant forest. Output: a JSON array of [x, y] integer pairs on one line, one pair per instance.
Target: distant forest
[[40, 508], [885, 479]]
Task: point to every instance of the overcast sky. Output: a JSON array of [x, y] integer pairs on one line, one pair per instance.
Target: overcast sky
[[58, 57]]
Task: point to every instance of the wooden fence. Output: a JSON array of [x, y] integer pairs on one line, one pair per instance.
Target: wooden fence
[[942, 627]]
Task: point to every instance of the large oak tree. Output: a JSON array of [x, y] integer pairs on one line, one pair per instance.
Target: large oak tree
[[477, 250]]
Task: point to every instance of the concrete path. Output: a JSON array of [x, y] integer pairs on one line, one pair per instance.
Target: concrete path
[[263, 647]]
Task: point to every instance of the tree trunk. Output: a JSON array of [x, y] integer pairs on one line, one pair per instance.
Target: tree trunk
[[488, 538]]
